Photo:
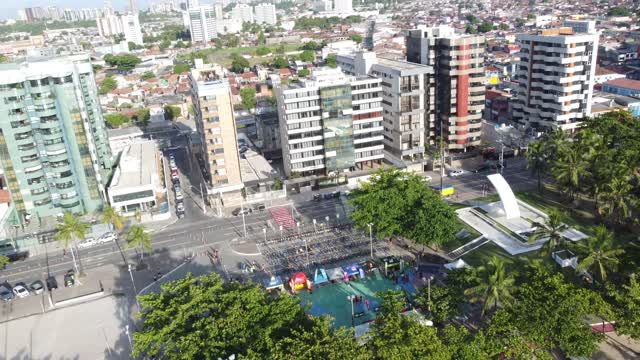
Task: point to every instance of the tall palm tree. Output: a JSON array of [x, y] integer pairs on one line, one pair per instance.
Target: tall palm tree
[[494, 285], [137, 238], [617, 200], [70, 230], [551, 230], [111, 216], [537, 160], [569, 169], [599, 253]]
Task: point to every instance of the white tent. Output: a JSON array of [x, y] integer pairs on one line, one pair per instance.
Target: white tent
[[458, 264]]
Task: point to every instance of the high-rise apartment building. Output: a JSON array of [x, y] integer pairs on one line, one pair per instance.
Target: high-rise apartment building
[[54, 149], [555, 77], [343, 7], [127, 24], [407, 103], [202, 24], [330, 123], [265, 14], [215, 121], [242, 12], [458, 65]]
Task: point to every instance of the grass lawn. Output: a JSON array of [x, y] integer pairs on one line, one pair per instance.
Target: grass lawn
[[223, 56], [457, 242]]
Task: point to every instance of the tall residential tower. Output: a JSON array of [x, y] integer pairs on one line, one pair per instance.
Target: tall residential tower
[[53, 143]]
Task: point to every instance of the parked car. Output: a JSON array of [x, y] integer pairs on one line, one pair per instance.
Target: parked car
[[69, 278], [174, 173], [179, 195], [336, 194], [180, 207], [456, 172], [177, 188], [108, 237], [239, 211], [258, 207], [20, 291], [5, 292], [52, 283], [87, 243], [317, 197], [37, 287]]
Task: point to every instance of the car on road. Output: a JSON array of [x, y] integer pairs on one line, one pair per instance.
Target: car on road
[[179, 195], [487, 167], [5, 292], [174, 173], [52, 283], [456, 172], [69, 278], [428, 178], [258, 207], [87, 243], [20, 291], [37, 287], [177, 188], [317, 197], [107, 237], [180, 207], [239, 211]]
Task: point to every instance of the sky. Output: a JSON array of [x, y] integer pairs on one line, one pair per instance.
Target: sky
[[8, 8]]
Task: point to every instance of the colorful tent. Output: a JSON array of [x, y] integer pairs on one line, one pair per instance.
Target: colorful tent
[[320, 277], [351, 270], [299, 281]]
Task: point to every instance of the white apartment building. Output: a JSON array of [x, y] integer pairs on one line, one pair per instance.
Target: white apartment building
[[555, 77], [265, 14], [202, 24], [408, 104], [243, 12], [343, 7], [330, 123], [127, 24]]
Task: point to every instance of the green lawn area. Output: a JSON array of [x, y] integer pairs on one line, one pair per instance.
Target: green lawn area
[[223, 56], [457, 242]]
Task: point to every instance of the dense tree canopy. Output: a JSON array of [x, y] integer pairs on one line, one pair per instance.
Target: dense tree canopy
[[107, 85], [402, 204], [124, 63], [180, 68], [172, 112], [248, 96], [116, 120], [238, 63], [308, 56]]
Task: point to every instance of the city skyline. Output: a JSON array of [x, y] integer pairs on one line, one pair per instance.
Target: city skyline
[[9, 10]]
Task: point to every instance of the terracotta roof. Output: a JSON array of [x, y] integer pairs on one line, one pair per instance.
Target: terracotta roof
[[285, 72], [123, 91], [5, 197], [248, 75], [491, 68], [625, 83]]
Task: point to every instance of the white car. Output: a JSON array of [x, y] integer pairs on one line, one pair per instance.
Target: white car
[[456, 172], [87, 243], [108, 237], [179, 195], [20, 291]]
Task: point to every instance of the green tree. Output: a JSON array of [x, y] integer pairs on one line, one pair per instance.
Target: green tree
[[3, 58], [172, 112], [108, 84], [139, 239], [569, 169], [261, 39], [4, 261], [181, 68], [627, 310], [471, 29], [248, 96], [148, 75], [599, 253], [463, 345], [472, 19], [304, 72], [164, 44], [503, 26], [617, 200], [356, 38], [395, 336], [70, 230], [485, 27], [280, 63], [618, 11], [143, 115], [308, 56], [330, 61], [238, 63], [124, 63], [494, 285], [311, 45], [536, 161], [116, 120], [112, 217], [402, 204], [551, 230], [207, 318]]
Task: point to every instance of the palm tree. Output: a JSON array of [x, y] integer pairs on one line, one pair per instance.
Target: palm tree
[[550, 230], [537, 162], [70, 230], [494, 285], [137, 238], [569, 169], [111, 216], [599, 253], [617, 200]]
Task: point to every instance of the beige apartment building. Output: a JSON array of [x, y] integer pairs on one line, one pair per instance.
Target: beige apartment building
[[458, 65], [215, 121]]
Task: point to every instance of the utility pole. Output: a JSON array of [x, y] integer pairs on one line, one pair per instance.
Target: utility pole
[[134, 288], [244, 224]]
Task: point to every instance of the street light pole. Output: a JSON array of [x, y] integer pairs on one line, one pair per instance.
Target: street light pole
[[244, 225], [371, 238], [314, 225], [264, 231], [204, 204], [134, 288]]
